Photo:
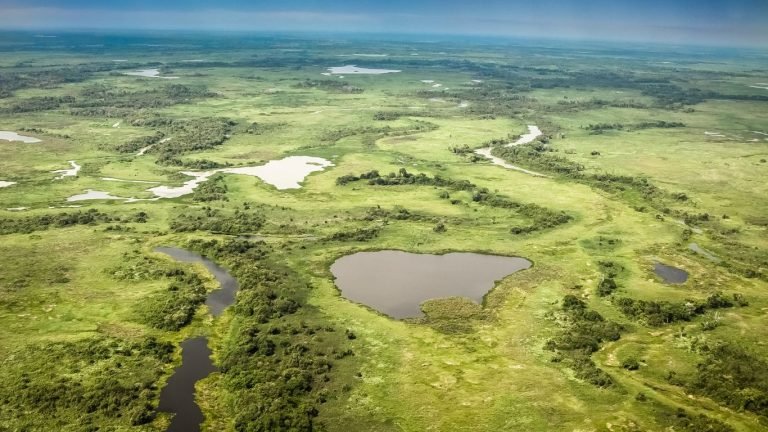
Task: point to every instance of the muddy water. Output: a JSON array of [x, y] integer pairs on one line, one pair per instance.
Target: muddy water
[[396, 283], [178, 396], [669, 274]]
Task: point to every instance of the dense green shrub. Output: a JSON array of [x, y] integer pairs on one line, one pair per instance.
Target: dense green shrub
[[215, 189], [175, 307], [582, 333], [30, 224], [218, 221], [606, 287], [734, 376], [97, 383], [360, 235], [658, 313]]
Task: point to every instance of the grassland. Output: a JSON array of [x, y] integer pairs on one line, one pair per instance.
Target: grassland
[[67, 288]]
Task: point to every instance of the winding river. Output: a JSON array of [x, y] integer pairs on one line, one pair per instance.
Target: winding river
[[533, 133], [178, 395]]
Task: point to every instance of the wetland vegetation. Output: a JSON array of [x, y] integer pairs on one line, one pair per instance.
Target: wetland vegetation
[[326, 208]]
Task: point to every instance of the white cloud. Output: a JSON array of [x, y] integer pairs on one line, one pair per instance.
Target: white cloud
[[524, 23]]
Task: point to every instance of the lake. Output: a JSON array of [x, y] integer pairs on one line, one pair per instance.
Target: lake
[[395, 283]]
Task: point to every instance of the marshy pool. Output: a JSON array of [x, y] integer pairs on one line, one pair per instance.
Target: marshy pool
[[670, 275], [395, 283]]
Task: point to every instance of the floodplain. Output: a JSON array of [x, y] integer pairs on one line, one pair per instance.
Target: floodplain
[[624, 157]]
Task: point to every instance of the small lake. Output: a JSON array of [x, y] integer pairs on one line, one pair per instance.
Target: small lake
[[396, 283], [178, 395], [286, 173], [669, 274], [352, 70], [149, 73], [13, 136]]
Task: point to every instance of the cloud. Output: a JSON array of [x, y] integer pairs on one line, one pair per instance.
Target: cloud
[[205, 19], [530, 23]]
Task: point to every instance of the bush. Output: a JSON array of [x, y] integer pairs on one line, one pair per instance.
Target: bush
[[658, 313], [734, 376], [583, 332], [102, 382], [30, 224], [175, 307], [606, 287], [218, 221], [630, 364]]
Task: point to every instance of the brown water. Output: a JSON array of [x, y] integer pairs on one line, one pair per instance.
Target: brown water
[[178, 396], [669, 274], [396, 283]]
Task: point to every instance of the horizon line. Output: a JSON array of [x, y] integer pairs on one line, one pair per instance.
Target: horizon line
[[495, 36]]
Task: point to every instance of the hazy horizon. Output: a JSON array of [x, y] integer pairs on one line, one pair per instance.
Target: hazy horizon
[[714, 22]]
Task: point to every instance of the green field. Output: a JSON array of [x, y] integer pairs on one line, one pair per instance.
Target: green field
[[646, 151]]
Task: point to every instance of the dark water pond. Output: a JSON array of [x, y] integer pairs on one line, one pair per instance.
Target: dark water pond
[[178, 396], [396, 283], [669, 274], [219, 299]]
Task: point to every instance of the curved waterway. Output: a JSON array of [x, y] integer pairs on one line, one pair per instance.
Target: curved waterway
[[178, 396], [533, 133], [397, 283], [219, 299]]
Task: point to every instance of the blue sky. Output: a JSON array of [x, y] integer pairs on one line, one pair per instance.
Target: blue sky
[[741, 22]]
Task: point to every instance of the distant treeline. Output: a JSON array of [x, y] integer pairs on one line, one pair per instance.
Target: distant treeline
[[99, 100], [12, 80], [602, 127], [102, 101], [332, 86], [373, 133]]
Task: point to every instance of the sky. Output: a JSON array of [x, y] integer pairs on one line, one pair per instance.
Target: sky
[[716, 22]]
